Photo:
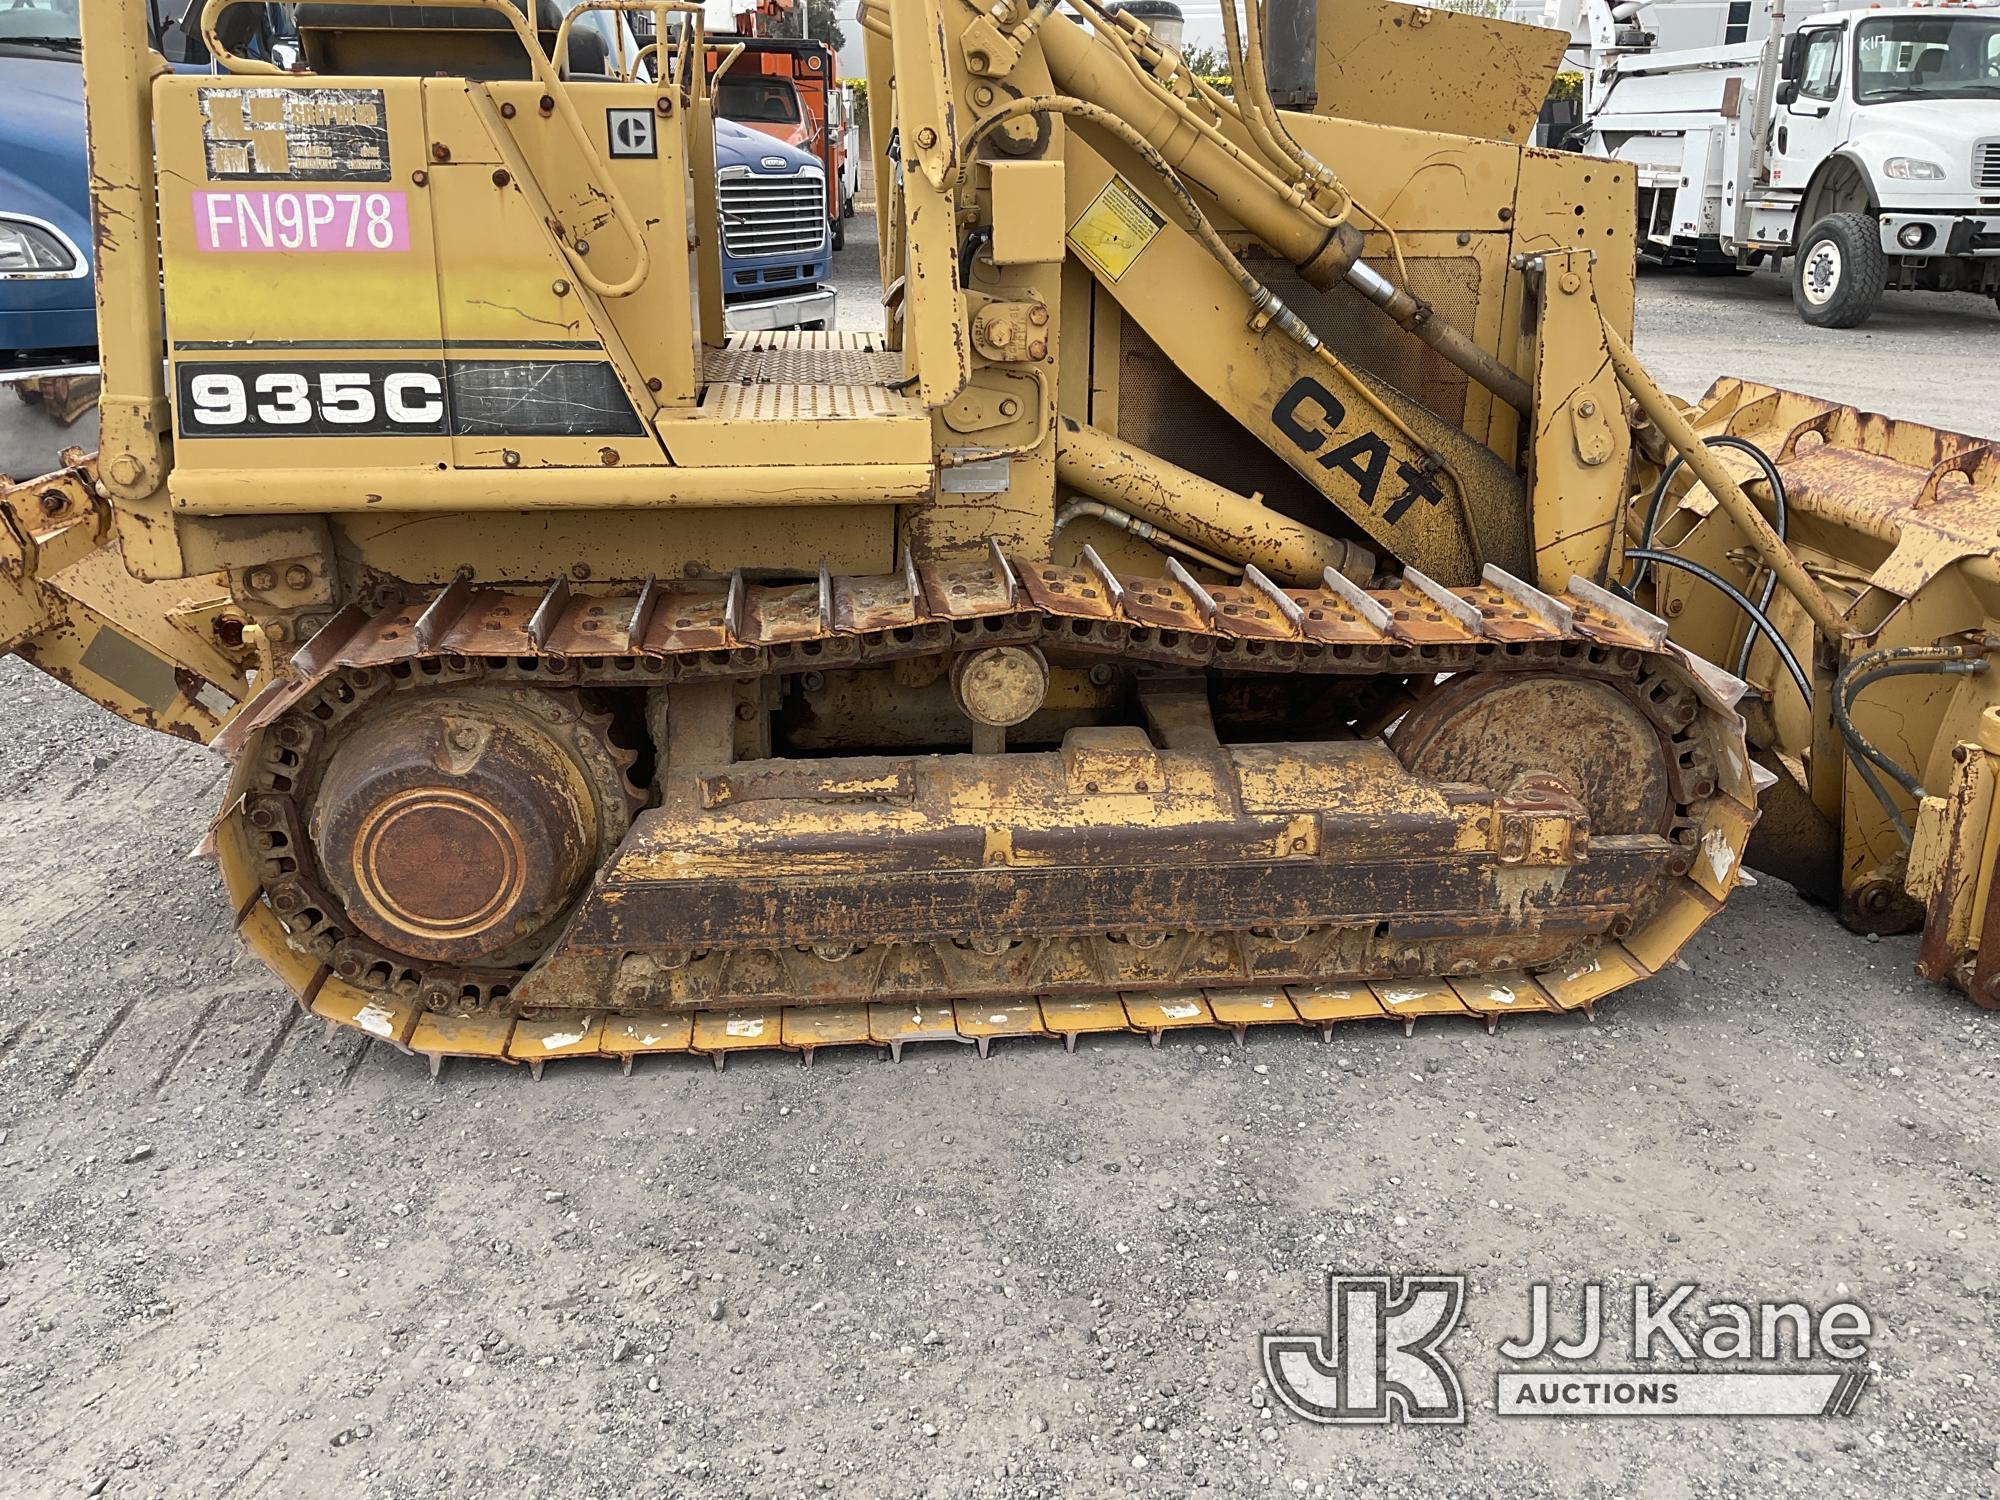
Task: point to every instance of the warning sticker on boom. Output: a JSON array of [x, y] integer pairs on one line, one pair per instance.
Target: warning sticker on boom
[[1116, 228], [294, 134]]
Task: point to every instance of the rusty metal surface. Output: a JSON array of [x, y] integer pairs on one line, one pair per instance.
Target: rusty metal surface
[[460, 832], [1932, 494], [935, 603], [1984, 986], [413, 833], [1598, 740]]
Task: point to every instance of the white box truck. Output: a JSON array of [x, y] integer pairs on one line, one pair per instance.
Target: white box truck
[[1862, 145]]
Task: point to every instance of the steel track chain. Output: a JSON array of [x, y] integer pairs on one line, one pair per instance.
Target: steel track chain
[[658, 636]]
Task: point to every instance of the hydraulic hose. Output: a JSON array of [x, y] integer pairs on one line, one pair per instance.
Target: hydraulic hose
[[1873, 666], [1263, 130], [1076, 510], [1780, 518], [1265, 168], [1736, 596], [1674, 427]]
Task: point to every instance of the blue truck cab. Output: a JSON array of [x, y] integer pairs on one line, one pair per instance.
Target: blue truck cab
[[48, 304], [48, 309], [777, 251]]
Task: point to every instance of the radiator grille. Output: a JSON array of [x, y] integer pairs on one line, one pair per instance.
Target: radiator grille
[[1986, 165], [773, 215]]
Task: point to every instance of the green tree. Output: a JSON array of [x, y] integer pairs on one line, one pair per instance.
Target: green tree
[[1206, 62], [821, 22]]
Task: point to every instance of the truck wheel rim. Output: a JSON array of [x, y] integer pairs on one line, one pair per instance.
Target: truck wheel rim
[[1821, 277]]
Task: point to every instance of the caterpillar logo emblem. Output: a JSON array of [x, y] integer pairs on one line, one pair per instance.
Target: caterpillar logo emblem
[[1308, 413]]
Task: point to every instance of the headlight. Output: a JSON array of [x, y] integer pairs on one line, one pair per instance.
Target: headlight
[[1912, 169], [29, 249]]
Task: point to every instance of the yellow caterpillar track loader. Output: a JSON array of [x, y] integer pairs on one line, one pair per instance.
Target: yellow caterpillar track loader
[[1247, 580]]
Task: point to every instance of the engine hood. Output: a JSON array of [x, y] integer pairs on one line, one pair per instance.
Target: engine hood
[[739, 146], [1940, 130], [44, 167]]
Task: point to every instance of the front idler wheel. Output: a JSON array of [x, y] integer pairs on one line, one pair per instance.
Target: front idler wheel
[[462, 826]]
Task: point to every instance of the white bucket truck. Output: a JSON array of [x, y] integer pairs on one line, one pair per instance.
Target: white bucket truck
[[1862, 144]]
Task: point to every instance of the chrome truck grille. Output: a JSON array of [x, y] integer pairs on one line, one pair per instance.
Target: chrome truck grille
[[772, 215], [1986, 165]]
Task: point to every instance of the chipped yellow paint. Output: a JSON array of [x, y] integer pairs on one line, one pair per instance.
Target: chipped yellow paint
[[385, 1017], [1166, 1010]]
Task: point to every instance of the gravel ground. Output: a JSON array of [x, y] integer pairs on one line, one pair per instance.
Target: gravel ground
[[239, 1258], [1927, 356]]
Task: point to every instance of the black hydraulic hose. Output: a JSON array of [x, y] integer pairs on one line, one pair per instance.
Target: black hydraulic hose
[[1873, 666], [1757, 616], [1780, 509], [1780, 518]]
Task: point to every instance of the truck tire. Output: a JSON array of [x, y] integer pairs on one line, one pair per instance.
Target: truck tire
[[839, 234], [1839, 272]]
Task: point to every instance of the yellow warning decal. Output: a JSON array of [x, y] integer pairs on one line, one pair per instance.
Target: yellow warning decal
[[1116, 228]]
